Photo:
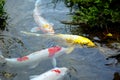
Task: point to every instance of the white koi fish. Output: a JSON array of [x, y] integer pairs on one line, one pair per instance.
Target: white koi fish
[[33, 59], [53, 74], [43, 25]]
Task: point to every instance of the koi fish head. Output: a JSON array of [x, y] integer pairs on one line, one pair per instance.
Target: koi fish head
[[58, 51], [54, 50], [91, 44], [48, 28], [60, 71]]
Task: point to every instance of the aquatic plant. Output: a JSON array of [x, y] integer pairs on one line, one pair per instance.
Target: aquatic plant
[[2, 2], [3, 15], [95, 12]]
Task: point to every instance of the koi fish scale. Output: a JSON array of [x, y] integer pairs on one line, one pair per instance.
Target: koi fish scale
[[57, 71], [53, 50], [22, 59]]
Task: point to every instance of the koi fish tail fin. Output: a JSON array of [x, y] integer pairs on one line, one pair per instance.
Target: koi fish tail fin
[[36, 34], [37, 3], [2, 59], [70, 49], [36, 11], [31, 34]]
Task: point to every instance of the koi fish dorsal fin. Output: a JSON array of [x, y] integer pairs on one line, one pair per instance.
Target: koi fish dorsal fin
[[54, 62]]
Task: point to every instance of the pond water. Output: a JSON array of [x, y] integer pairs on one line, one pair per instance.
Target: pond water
[[84, 63]]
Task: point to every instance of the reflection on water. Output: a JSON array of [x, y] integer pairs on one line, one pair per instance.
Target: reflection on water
[[116, 76], [84, 64]]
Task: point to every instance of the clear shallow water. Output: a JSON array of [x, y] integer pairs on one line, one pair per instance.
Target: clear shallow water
[[84, 64]]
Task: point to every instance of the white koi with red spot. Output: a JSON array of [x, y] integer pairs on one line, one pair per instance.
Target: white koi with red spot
[[53, 74], [33, 59]]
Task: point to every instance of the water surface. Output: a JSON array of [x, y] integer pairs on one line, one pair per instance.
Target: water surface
[[84, 64]]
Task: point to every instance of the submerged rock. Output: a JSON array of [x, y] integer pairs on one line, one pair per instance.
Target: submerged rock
[[116, 76]]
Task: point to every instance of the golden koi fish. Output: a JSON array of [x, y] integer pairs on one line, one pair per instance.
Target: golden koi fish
[[77, 40], [68, 38]]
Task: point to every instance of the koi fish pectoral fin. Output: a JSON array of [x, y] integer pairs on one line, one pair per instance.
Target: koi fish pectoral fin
[[54, 62], [35, 29], [31, 77], [70, 49], [33, 65]]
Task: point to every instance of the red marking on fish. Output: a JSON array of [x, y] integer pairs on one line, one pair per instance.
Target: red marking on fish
[[53, 50], [22, 59], [57, 71]]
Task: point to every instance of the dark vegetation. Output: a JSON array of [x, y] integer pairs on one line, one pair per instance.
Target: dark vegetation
[[3, 15], [95, 12]]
